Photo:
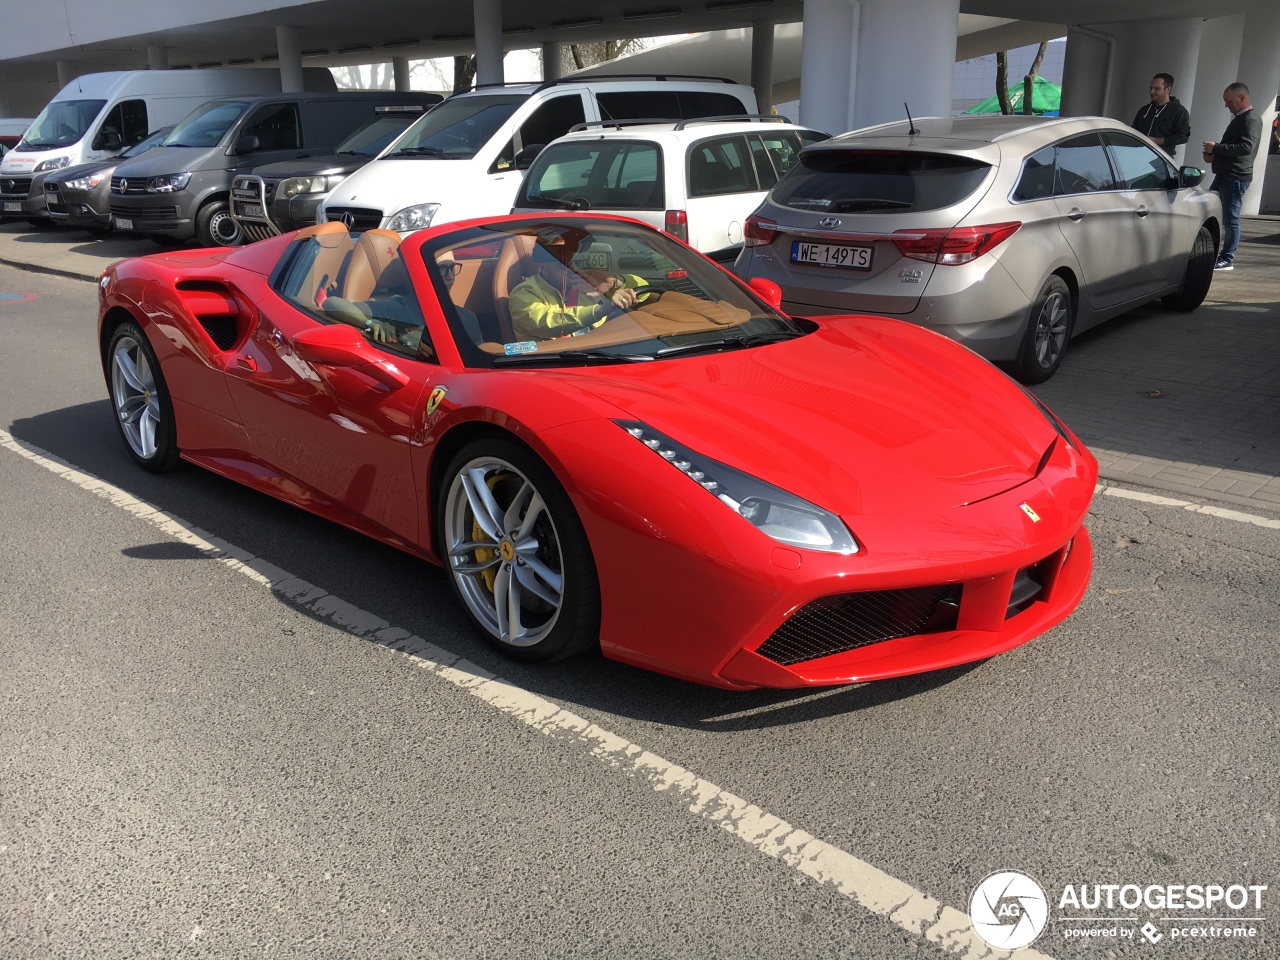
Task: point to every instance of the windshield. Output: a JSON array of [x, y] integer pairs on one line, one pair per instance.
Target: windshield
[[457, 128], [373, 137], [147, 144], [575, 290], [206, 125], [61, 123]]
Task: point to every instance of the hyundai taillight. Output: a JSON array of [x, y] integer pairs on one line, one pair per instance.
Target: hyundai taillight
[[955, 246], [758, 230], [676, 223]]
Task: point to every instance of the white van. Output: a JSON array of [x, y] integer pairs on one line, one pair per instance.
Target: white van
[[99, 115], [11, 131], [467, 156]]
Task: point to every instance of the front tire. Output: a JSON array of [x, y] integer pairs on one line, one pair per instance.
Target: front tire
[[1047, 334], [1198, 275], [516, 553], [140, 399], [215, 226]]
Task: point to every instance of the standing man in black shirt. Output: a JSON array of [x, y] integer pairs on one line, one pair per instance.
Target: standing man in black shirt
[[1164, 119], [1232, 159]]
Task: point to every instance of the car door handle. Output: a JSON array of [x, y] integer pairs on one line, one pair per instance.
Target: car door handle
[[247, 363], [1142, 211], [276, 339], [1076, 214]]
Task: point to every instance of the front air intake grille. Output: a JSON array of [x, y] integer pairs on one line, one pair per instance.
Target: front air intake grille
[[221, 330], [18, 186], [355, 218], [849, 621]]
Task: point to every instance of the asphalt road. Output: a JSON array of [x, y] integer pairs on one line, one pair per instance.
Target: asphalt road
[[194, 765]]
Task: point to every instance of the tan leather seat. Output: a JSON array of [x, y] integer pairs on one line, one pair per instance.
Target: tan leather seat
[[512, 267], [374, 250], [334, 248]]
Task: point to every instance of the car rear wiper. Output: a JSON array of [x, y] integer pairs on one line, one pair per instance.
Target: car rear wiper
[[729, 343], [576, 203], [855, 204], [571, 356], [418, 152]]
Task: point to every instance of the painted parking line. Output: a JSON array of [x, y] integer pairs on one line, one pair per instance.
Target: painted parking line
[[1221, 513], [884, 895]]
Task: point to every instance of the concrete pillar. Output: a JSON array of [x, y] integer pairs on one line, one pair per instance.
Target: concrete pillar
[[157, 57], [829, 46], [1145, 48], [762, 63], [488, 19], [1260, 72], [400, 69], [1219, 63], [906, 52], [1086, 71], [66, 73], [552, 61], [290, 52]]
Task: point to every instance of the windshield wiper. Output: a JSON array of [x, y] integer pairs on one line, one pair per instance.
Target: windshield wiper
[[571, 356], [577, 203], [418, 152], [728, 343]]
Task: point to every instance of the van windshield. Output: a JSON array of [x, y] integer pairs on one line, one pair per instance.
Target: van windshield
[[61, 123], [373, 137], [457, 128], [206, 125]]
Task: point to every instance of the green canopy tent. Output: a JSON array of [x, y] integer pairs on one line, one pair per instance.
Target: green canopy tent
[[1046, 99]]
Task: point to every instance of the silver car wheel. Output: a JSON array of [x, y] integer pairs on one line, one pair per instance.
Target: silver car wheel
[[503, 551], [136, 398], [1051, 329]]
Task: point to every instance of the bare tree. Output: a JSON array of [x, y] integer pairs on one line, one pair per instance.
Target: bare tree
[[577, 56], [464, 72], [1029, 81], [1002, 81]]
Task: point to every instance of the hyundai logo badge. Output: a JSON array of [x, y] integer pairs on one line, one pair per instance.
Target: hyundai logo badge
[[829, 222]]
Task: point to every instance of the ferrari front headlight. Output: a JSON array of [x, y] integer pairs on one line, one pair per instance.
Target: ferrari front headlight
[[782, 515], [295, 186], [417, 217]]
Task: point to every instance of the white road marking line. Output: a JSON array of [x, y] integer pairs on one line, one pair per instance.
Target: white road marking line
[[1220, 512], [913, 911]]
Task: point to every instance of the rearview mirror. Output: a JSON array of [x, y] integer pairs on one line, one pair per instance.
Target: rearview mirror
[[248, 144], [524, 159], [340, 345], [769, 291], [1190, 176], [108, 140]]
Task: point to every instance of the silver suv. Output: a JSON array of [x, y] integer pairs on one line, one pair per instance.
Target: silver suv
[[1008, 234]]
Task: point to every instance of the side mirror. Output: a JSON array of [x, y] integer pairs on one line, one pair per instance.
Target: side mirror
[[340, 345], [108, 140], [248, 144], [524, 159], [769, 291], [1190, 176]]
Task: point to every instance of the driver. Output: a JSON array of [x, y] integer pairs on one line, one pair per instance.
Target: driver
[[555, 301]]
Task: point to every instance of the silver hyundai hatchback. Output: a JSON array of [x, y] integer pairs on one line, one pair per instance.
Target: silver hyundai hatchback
[[1009, 234]]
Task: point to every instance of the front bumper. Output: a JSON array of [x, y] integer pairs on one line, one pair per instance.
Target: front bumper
[[162, 219], [22, 198]]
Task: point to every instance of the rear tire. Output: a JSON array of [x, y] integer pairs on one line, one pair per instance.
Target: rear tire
[[1198, 276], [215, 226], [1048, 332]]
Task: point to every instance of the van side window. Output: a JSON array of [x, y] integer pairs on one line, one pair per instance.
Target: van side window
[[276, 125], [638, 104], [694, 103], [548, 122], [128, 120], [720, 166], [1083, 166]]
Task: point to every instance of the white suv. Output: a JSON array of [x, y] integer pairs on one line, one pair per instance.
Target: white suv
[[465, 157], [696, 179]]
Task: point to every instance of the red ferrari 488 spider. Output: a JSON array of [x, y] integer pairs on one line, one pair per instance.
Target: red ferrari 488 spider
[[605, 438]]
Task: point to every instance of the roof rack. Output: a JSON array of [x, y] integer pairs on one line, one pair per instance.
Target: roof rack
[[619, 124], [634, 76], [729, 117]]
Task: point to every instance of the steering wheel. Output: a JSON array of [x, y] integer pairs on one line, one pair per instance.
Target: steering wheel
[[647, 289]]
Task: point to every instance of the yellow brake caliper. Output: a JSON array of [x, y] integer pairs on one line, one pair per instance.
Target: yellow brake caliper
[[486, 554]]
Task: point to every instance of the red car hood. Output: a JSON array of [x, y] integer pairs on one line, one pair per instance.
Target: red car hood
[[872, 416]]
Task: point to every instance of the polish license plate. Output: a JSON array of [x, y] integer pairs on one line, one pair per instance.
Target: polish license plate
[[121, 223], [13, 206], [831, 255], [252, 210]]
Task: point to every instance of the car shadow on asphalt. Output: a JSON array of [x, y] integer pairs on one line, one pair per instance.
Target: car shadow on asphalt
[[414, 595]]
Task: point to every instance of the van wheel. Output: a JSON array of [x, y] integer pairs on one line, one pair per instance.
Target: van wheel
[[1048, 331], [216, 228]]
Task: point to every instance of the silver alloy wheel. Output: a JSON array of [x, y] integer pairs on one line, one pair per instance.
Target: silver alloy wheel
[[503, 551], [1051, 330], [137, 401]]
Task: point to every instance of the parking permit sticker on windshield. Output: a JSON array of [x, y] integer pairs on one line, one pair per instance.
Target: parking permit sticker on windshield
[[524, 346]]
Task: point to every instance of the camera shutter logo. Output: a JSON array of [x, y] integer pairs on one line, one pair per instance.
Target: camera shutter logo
[[1009, 910]]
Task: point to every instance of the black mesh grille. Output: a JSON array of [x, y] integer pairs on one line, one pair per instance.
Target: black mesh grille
[[361, 218], [847, 622], [222, 331], [15, 185]]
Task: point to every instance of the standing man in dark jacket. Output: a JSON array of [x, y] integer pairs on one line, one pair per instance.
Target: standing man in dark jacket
[[1164, 119], [1232, 159]]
